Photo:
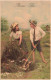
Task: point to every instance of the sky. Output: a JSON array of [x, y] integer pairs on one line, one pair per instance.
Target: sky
[[22, 12]]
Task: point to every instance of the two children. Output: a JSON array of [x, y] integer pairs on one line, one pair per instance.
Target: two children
[[36, 34]]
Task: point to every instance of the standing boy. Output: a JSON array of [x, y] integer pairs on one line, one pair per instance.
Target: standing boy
[[36, 34]]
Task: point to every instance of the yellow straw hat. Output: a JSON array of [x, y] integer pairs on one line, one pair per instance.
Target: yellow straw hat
[[13, 25], [33, 22]]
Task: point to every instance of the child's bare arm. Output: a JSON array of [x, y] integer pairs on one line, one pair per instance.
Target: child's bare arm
[[20, 40]]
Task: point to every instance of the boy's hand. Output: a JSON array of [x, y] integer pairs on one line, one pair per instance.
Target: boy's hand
[[34, 46]]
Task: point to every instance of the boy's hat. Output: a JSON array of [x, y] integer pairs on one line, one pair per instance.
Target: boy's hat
[[13, 25], [33, 22]]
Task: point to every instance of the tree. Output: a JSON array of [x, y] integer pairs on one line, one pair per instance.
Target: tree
[[4, 24]]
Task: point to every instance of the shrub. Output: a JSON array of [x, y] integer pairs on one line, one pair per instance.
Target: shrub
[[12, 51]]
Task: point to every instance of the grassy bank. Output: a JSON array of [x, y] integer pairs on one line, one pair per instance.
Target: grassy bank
[[41, 70]]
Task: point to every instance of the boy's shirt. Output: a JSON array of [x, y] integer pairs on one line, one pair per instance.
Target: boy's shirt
[[16, 35], [39, 33]]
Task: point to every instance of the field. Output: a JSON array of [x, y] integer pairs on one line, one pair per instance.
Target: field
[[41, 70]]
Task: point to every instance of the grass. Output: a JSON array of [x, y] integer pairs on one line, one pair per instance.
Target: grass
[[41, 70]]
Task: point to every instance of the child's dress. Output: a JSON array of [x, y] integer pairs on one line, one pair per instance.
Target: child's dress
[[16, 37]]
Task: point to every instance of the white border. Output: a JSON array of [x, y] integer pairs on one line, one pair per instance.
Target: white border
[[50, 38]]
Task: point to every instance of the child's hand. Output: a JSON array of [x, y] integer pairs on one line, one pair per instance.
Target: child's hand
[[34, 46]]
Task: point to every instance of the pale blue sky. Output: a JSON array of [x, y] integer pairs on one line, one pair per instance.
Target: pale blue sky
[[39, 10]]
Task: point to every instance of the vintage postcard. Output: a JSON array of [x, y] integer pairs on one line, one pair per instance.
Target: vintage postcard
[[25, 39]]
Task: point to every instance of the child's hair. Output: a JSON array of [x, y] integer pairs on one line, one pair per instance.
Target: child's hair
[[14, 30]]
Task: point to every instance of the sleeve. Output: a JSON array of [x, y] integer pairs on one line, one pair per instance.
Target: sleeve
[[42, 32], [11, 34], [20, 32], [31, 36]]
